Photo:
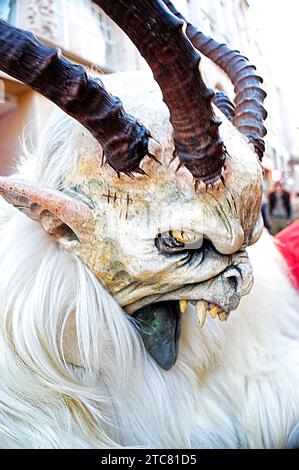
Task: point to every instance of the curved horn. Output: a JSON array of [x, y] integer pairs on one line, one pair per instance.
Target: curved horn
[[124, 140], [249, 112], [161, 39], [224, 104]]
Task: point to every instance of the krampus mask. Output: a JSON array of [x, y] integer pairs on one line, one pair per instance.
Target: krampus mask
[[166, 192]]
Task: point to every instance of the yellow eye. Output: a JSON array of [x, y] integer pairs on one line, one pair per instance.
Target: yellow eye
[[178, 242], [186, 237], [180, 236]]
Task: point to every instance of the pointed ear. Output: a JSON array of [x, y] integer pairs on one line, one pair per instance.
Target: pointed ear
[[63, 216]]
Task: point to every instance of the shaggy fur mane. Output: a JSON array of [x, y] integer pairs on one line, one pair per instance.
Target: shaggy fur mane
[[235, 384]]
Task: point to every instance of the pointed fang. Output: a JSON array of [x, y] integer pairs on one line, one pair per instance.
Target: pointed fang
[[183, 305], [222, 316], [214, 311], [201, 310]]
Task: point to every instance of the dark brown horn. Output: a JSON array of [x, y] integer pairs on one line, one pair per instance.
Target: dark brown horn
[[161, 39], [124, 140], [249, 112], [224, 104]]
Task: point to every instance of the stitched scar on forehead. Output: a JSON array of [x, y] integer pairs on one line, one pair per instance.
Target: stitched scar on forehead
[[123, 200]]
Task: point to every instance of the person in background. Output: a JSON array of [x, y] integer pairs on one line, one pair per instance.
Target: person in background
[[280, 208]]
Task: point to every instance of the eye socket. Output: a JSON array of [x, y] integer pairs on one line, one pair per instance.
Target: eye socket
[[172, 242], [168, 245], [178, 241]]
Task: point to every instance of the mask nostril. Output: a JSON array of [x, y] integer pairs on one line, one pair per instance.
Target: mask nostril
[[233, 282], [233, 278]]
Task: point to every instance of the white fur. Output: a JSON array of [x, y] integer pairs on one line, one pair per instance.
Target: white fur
[[235, 384]]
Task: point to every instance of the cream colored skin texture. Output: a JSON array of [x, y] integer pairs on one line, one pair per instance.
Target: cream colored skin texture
[[117, 220], [129, 213]]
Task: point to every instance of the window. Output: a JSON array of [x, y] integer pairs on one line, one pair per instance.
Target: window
[[82, 29]]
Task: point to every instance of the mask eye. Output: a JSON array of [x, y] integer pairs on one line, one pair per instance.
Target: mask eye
[[191, 240], [178, 241], [168, 245]]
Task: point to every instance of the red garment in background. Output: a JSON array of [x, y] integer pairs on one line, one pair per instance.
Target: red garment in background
[[288, 245]]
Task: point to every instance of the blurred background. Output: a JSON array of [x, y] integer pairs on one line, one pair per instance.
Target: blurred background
[[263, 30]]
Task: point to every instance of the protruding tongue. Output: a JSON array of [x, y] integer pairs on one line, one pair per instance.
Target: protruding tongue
[[160, 326]]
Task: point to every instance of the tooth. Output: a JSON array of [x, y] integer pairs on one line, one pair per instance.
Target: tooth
[[214, 311], [201, 310], [222, 316], [183, 305]]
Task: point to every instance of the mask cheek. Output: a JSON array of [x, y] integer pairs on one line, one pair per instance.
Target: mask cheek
[[257, 230]]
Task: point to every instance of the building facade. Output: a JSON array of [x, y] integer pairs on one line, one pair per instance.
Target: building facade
[[87, 36]]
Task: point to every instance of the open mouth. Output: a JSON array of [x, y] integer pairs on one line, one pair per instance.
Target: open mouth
[[159, 325], [203, 308]]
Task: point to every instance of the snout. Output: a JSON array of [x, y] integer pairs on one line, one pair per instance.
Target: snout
[[232, 287], [233, 278], [234, 282]]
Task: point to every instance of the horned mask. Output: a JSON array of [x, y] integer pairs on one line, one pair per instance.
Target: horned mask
[[166, 192]]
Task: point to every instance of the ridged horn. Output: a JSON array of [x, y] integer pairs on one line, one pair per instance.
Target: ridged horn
[[249, 111], [161, 39], [224, 104], [123, 139]]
